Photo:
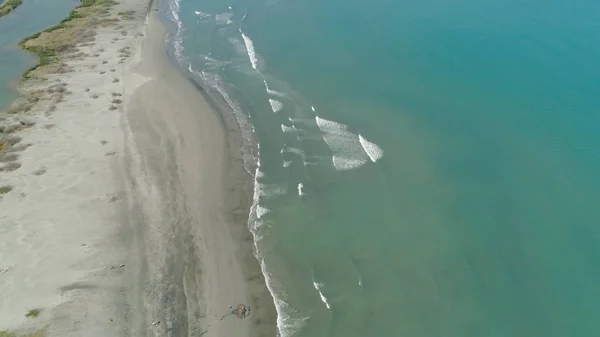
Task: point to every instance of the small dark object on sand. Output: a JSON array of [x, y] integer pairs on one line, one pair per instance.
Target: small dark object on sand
[[241, 311]]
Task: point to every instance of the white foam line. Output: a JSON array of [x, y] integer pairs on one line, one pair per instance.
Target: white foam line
[[300, 189], [250, 49], [288, 320], [286, 128], [276, 105], [293, 150], [319, 286], [223, 18], [271, 91], [261, 211], [177, 39], [373, 150], [347, 151], [263, 190]]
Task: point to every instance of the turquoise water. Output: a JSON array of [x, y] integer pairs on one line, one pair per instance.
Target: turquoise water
[[31, 17], [481, 217]]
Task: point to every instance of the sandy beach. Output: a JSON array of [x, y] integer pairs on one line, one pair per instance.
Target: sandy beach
[[123, 210]]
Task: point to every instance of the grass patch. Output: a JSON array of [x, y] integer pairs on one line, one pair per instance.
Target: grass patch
[[3, 190], [77, 27], [8, 6], [38, 333], [33, 313], [10, 167]]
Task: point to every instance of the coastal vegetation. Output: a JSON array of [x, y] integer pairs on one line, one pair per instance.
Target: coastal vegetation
[[37, 333], [3, 190], [8, 5], [33, 313], [78, 27]]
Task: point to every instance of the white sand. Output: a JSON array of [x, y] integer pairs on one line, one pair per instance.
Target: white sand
[[117, 217]]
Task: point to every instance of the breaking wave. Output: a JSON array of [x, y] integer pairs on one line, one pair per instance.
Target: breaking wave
[[178, 38], [273, 92], [276, 105], [347, 150], [223, 18], [286, 128], [251, 52], [288, 319], [373, 150], [319, 286]]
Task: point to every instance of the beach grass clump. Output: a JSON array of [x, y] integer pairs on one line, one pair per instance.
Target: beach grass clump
[[38, 333], [33, 313], [10, 167], [9, 157], [128, 15], [3, 190], [7, 142], [8, 6]]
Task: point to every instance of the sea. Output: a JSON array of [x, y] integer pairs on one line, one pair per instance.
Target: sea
[[421, 168]]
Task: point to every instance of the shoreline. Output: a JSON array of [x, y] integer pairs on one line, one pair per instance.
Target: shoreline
[[7, 6], [126, 197]]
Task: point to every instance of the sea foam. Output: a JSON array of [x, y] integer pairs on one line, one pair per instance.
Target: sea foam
[[348, 153], [177, 39], [373, 150], [251, 52], [271, 91], [286, 128], [261, 211], [262, 190], [276, 105], [319, 286], [300, 189], [288, 320], [223, 18]]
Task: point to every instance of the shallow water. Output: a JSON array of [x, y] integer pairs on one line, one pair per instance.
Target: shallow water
[[426, 168], [29, 18]]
